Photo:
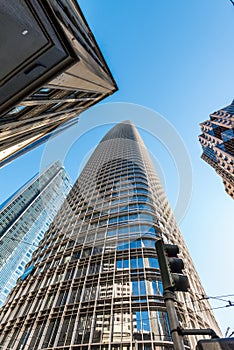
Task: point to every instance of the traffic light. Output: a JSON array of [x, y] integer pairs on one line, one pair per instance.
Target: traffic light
[[171, 267]]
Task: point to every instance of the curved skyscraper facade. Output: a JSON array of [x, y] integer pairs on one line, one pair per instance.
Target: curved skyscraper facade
[[94, 283]]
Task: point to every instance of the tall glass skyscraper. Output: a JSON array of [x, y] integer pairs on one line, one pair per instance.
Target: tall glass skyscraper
[[25, 217], [94, 283]]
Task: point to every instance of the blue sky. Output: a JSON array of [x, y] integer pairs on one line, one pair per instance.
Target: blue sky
[[175, 58]]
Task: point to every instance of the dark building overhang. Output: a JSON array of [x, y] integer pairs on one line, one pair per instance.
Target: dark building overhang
[[51, 69]]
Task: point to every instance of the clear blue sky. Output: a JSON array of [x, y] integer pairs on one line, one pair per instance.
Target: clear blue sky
[[176, 58]]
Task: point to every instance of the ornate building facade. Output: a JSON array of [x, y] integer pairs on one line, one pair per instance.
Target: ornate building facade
[[94, 282], [217, 141]]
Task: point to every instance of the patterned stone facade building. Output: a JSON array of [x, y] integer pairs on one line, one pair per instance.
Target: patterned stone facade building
[[217, 140]]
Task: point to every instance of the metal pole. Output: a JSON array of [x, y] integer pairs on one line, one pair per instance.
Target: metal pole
[[206, 331], [173, 320]]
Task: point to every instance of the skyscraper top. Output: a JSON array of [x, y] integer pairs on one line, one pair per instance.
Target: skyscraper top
[[123, 130], [229, 108]]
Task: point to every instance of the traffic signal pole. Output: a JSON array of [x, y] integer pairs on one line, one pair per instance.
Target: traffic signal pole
[[177, 338], [173, 279], [169, 297]]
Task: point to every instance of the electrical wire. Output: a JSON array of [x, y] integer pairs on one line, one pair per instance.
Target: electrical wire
[[223, 296], [214, 308], [204, 297], [218, 297]]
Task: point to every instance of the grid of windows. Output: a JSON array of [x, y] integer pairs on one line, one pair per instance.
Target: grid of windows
[[25, 218], [217, 141], [95, 281]]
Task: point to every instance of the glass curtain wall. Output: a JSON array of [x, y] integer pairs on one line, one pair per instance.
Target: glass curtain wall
[[94, 282]]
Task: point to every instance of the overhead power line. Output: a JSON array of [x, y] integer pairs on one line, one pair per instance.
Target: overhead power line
[[218, 297], [224, 296], [215, 308]]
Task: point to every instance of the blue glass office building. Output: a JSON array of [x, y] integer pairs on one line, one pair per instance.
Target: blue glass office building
[[25, 217]]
